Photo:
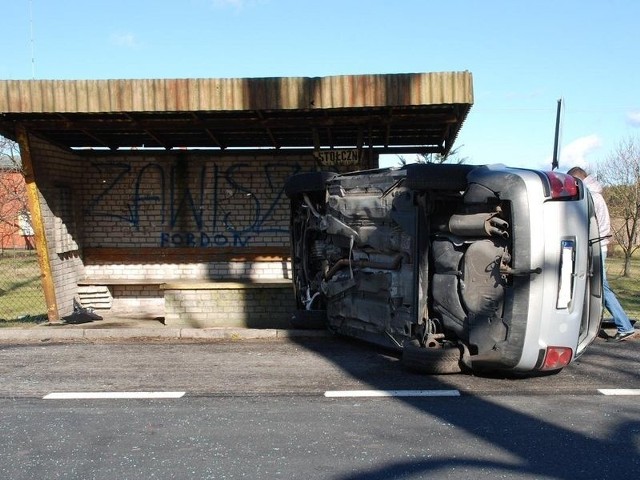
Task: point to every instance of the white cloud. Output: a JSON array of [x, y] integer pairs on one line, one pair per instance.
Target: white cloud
[[124, 39], [575, 153], [633, 118]]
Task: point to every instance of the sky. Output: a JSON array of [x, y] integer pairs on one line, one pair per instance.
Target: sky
[[524, 56]]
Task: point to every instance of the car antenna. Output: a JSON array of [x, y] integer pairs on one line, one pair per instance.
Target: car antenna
[[554, 160]]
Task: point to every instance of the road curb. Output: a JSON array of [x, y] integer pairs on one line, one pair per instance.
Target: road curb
[[38, 335], [20, 335]]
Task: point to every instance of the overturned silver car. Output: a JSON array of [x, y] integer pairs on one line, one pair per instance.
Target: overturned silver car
[[461, 267]]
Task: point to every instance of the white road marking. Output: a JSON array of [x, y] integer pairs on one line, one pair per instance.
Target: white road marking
[[328, 394], [619, 391], [391, 393], [110, 395]]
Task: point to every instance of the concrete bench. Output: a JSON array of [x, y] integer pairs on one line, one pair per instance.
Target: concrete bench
[[119, 281], [267, 303], [99, 293], [180, 300], [232, 303]]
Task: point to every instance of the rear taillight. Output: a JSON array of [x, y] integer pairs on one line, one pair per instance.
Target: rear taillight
[[556, 358], [563, 186]]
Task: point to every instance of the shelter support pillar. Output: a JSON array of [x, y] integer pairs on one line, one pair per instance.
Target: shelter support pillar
[[35, 210]]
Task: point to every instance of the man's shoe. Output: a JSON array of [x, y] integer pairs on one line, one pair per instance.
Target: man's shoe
[[619, 337]]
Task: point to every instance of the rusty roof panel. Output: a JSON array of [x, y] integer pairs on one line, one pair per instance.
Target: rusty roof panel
[[292, 93], [421, 112]]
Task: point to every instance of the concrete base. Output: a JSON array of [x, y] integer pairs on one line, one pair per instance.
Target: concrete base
[[217, 305]]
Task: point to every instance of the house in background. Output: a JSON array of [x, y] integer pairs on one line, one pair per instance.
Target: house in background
[[16, 231]]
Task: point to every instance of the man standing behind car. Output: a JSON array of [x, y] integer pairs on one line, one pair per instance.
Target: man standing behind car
[[624, 328]]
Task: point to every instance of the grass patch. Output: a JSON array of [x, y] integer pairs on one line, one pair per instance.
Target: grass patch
[[21, 296], [625, 288]]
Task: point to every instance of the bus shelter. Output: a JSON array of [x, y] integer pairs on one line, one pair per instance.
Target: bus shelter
[[164, 197]]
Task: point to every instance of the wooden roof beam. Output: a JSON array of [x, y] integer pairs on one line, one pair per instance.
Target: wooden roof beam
[[274, 141]]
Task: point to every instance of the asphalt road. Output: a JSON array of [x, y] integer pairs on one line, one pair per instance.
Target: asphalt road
[[258, 409]]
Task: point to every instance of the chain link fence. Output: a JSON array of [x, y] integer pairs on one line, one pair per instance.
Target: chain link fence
[[21, 294]]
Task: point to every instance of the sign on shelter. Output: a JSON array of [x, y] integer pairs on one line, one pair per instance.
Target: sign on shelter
[[338, 158]]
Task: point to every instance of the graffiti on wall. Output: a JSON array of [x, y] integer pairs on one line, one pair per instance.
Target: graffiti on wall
[[193, 204]]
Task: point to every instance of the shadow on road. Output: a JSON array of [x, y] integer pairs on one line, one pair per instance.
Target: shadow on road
[[539, 448]]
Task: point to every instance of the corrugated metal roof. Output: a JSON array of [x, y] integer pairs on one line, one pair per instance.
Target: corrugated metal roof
[[175, 95], [379, 111]]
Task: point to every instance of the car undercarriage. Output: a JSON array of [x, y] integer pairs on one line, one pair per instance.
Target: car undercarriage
[[419, 259]]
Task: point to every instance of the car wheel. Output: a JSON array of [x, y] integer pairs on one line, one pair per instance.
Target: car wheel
[[438, 360], [307, 182], [430, 176]]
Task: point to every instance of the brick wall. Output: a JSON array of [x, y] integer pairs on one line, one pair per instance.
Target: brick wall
[[190, 271], [187, 200], [248, 307], [58, 174], [142, 200]]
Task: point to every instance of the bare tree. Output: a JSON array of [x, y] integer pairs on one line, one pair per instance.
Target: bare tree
[[453, 156], [9, 154], [620, 172]]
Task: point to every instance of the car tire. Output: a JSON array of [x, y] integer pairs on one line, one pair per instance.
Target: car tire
[[430, 176], [307, 182], [439, 360]]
